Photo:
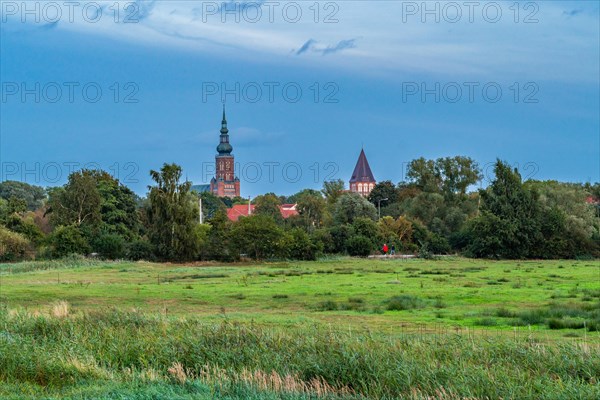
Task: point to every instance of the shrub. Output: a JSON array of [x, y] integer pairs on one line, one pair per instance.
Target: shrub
[[110, 246], [13, 246], [258, 237], [359, 245], [300, 246], [404, 302], [328, 305], [567, 323], [140, 250], [68, 240]]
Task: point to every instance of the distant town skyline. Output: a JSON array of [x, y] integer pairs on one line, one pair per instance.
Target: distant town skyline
[[302, 97]]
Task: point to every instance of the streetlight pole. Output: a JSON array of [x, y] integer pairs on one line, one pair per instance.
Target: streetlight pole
[[200, 214], [379, 207]]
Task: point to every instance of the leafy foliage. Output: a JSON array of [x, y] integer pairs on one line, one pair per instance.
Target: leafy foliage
[[257, 236], [67, 240], [350, 206], [33, 196], [13, 246], [172, 215]]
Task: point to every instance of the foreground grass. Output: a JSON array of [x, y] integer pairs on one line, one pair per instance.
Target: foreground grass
[[131, 355]]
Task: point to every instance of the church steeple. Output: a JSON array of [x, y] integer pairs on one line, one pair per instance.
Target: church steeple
[[224, 129], [224, 148], [362, 180], [225, 183]]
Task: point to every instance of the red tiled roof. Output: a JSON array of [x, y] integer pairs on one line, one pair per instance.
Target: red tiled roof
[[241, 210], [592, 200], [288, 210]]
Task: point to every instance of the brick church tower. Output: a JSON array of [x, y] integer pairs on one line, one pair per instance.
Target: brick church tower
[[225, 183], [362, 180]]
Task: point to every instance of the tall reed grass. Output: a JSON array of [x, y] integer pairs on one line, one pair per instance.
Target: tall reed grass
[[112, 353]]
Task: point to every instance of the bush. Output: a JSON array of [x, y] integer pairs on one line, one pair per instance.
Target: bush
[[110, 246], [13, 246], [359, 245], [328, 305], [258, 237], [438, 244], [68, 240], [404, 302], [140, 250], [300, 246]]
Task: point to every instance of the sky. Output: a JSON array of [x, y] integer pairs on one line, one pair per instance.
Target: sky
[[127, 86]]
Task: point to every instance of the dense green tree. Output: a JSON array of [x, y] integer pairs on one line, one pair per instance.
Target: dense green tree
[[385, 193], [173, 215], [218, 244], [110, 246], [33, 196], [350, 206], [299, 245], [67, 240], [140, 249], [397, 230], [78, 202], [359, 245], [424, 174], [118, 207], [258, 236], [339, 236], [293, 199], [268, 204], [509, 224], [366, 227], [312, 208], [332, 190], [449, 176], [211, 204], [457, 174]]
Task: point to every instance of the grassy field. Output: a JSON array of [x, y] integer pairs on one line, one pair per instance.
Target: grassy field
[[336, 328]]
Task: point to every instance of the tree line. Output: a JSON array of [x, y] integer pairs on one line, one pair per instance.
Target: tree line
[[431, 213]]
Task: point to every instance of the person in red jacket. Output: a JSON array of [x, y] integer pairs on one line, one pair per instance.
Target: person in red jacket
[[385, 249]]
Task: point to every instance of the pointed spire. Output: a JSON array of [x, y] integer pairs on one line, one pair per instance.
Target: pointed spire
[[224, 129], [224, 148], [362, 171]]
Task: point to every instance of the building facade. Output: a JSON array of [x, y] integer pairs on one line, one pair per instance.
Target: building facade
[[362, 180], [225, 183]]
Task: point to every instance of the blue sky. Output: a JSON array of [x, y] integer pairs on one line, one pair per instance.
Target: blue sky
[[371, 62]]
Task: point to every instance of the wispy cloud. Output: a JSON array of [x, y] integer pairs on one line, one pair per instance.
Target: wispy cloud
[[572, 13], [342, 45], [377, 43], [143, 9], [306, 46], [313, 45]]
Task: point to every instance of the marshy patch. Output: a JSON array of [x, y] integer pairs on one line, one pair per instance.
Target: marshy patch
[[435, 272], [194, 276], [473, 269], [404, 302]]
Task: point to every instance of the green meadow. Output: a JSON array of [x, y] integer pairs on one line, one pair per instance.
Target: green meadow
[[334, 328]]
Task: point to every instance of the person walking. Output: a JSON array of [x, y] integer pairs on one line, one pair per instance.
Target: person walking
[[393, 251], [385, 249]]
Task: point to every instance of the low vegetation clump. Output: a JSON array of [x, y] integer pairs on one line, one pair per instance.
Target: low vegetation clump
[[569, 315], [99, 354], [404, 302]]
